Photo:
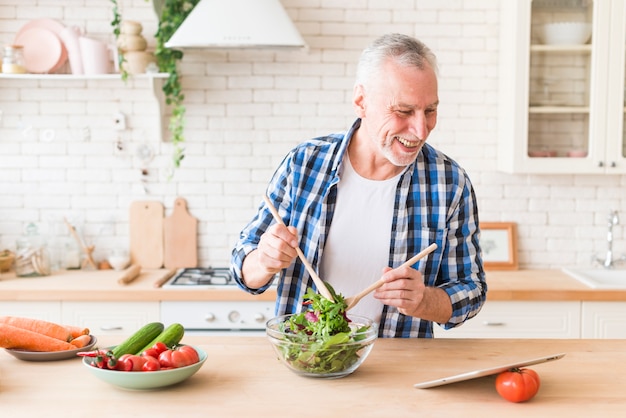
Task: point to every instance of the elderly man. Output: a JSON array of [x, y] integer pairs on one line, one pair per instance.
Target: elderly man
[[362, 202]]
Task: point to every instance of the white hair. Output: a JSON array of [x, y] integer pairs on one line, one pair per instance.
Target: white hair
[[402, 48]]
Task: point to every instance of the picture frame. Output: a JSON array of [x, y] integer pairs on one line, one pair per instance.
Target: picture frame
[[498, 242]]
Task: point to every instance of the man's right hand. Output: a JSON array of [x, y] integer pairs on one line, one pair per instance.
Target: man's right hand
[[276, 251]]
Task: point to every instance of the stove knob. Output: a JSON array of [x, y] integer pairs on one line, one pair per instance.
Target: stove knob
[[234, 316], [259, 317], [209, 317]]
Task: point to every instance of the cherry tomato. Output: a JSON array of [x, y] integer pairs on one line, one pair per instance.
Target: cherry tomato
[[151, 352], [518, 385], [131, 362], [155, 350], [179, 357], [159, 347], [151, 364]]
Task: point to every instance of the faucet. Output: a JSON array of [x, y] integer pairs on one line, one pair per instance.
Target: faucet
[[609, 262]]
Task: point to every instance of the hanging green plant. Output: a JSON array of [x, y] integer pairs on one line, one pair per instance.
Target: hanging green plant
[[116, 23], [170, 14]]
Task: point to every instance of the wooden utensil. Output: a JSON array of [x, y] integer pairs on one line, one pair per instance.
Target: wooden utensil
[[88, 250], [146, 234], [160, 282], [130, 274], [180, 236], [316, 279], [353, 300]]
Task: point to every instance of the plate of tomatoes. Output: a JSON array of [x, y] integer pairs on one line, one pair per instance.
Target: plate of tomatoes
[[145, 372]]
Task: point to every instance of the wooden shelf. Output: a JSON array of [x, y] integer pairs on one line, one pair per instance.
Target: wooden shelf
[[155, 82], [147, 76], [560, 48]]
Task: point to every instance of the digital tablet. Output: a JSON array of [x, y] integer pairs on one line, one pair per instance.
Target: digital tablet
[[486, 372]]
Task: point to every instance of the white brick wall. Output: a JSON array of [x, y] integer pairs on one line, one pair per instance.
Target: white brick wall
[[245, 109]]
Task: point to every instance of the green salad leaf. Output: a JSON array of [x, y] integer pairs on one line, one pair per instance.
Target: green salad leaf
[[323, 335]]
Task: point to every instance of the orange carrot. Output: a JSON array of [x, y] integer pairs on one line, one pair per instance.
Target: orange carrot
[[81, 341], [76, 332], [38, 325], [14, 337]]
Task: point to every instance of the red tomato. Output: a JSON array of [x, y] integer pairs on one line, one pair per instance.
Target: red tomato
[[518, 385], [179, 357], [155, 350], [159, 347], [151, 364], [131, 363], [191, 352], [151, 352]]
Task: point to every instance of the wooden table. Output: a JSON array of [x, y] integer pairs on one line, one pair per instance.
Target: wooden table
[[243, 378]]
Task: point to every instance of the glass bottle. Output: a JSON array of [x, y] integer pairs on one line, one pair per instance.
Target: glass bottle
[[32, 258], [13, 60]]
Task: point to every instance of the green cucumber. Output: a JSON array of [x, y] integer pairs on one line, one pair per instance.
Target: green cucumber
[[170, 337], [139, 339]]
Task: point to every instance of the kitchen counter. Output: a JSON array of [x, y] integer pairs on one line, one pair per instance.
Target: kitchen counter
[[102, 285], [519, 285], [545, 285], [243, 378]]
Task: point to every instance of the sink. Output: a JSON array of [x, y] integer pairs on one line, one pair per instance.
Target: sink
[[599, 278]]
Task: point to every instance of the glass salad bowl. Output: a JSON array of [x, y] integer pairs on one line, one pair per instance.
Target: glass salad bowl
[[323, 357]]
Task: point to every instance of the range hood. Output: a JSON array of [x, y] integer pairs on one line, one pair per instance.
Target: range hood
[[237, 24]]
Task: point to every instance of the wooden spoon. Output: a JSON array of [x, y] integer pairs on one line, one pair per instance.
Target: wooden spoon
[[353, 300], [316, 279]]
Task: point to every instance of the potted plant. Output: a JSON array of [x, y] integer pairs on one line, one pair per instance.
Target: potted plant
[[170, 15]]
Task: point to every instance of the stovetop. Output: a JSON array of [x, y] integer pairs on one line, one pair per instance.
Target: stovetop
[[202, 276]]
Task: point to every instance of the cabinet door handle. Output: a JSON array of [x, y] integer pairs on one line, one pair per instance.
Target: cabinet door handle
[[600, 164], [493, 323], [111, 328]]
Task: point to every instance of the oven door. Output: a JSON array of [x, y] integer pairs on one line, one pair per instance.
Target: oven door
[[219, 317]]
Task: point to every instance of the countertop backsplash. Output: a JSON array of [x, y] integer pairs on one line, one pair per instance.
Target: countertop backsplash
[[62, 156]]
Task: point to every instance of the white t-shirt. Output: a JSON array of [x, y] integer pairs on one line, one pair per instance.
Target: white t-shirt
[[357, 246]]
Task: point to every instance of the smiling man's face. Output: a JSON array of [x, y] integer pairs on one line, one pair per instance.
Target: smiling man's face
[[398, 110]]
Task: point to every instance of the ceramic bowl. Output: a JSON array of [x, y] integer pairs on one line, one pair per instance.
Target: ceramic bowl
[[146, 380], [565, 33], [119, 261], [309, 357]]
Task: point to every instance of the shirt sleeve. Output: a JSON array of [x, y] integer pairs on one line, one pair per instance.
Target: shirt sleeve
[[250, 235], [466, 285]]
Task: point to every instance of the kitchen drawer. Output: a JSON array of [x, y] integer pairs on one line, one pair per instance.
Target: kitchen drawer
[[47, 311], [218, 315], [520, 320], [110, 318], [603, 320]]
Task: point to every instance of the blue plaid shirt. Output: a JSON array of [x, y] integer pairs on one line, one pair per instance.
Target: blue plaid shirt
[[435, 202]]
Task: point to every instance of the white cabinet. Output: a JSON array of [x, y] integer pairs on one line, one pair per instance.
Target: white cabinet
[[520, 320], [45, 310], [110, 318], [562, 105], [603, 320], [102, 318]]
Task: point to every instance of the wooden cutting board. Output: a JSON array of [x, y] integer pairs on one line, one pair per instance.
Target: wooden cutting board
[[180, 232], [146, 234]]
